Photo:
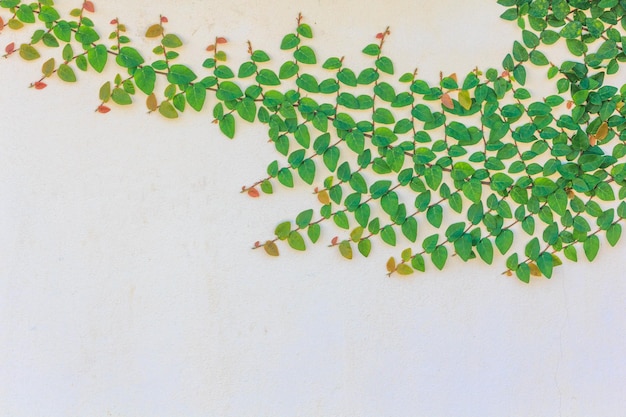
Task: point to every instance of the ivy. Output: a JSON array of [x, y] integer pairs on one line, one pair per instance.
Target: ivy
[[473, 166]]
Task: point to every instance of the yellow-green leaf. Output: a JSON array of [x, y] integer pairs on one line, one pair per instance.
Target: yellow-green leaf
[[391, 265], [48, 67], [167, 109], [154, 31], [464, 99], [345, 249], [271, 248], [404, 269], [28, 53]]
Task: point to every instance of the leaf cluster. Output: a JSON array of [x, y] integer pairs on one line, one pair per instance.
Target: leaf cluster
[[474, 167]]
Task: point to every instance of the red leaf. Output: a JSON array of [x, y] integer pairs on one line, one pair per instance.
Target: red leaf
[[113, 22], [569, 104], [505, 74], [379, 35], [253, 192], [1, 23], [257, 244], [446, 100], [210, 48], [103, 109], [89, 6], [164, 19], [221, 40], [40, 86], [10, 48], [334, 241]]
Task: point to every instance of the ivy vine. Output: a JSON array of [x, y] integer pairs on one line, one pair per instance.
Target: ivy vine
[[466, 167]]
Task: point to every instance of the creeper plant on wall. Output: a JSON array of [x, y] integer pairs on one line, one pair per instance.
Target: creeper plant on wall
[[475, 166]]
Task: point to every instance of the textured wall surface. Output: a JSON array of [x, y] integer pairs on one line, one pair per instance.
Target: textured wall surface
[[128, 287]]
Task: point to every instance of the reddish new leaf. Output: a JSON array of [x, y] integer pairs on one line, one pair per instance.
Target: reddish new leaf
[[164, 19], [1, 23], [379, 35], [253, 192], [89, 6], [210, 48], [103, 109], [10, 48], [113, 22], [39, 85], [220, 40], [334, 241], [446, 100]]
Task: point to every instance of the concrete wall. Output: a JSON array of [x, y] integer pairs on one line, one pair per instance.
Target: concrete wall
[[128, 287]]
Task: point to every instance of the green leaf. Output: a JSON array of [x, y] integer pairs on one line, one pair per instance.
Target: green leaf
[[347, 77], [246, 69], [305, 55], [308, 83], [523, 272], [48, 14], [296, 241], [285, 177], [341, 220], [28, 52], [591, 246], [196, 95], [485, 250], [290, 41], [367, 76], [332, 63], [145, 79], [227, 125], [372, 49], [288, 70], [409, 229], [504, 241], [388, 235], [246, 109], [129, 57], [171, 41], [180, 74], [282, 230], [383, 115], [613, 234], [121, 97], [97, 57], [267, 77], [313, 232], [307, 171], [66, 73], [434, 215], [228, 91], [384, 64], [365, 247], [259, 56], [222, 71], [25, 14], [439, 256]]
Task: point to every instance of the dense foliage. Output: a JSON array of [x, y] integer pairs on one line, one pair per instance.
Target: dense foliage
[[469, 166]]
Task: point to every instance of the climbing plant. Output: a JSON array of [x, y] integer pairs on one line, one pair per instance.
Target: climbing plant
[[466, 167]]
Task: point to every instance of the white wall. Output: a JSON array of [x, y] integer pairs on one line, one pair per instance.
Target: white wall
[[128, 287]]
